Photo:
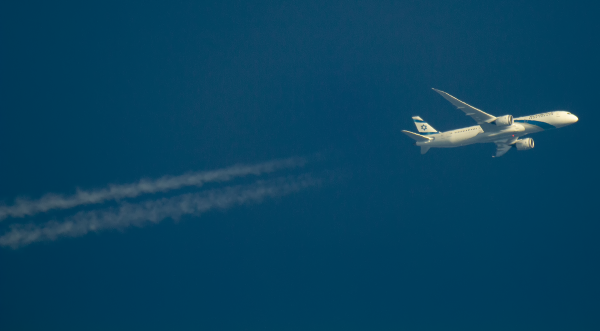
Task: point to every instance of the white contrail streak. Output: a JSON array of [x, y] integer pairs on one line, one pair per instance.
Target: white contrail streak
[[153, 211], [25, 207]]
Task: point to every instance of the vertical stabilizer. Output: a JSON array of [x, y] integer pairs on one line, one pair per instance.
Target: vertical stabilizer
[[423, 127]]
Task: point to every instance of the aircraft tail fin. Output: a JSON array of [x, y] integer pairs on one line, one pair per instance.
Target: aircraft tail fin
[[423, 127]]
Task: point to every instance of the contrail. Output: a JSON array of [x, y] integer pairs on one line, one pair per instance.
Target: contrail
[[152, 211], [25, 207]]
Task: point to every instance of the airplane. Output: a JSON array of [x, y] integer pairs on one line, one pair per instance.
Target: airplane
[[505, 131]]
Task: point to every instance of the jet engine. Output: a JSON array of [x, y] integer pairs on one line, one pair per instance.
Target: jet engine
[[505, 120], [524, 144]]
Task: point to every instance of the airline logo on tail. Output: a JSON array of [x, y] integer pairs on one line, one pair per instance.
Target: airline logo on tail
[[423, 127]]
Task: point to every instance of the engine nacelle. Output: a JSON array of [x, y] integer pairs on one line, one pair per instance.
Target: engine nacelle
[[524, 144], [505, 120]]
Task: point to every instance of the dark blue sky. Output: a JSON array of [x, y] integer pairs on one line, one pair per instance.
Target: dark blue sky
[[93, 94]]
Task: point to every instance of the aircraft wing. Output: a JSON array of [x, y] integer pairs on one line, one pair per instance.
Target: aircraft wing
[[501, 149], [503, 146], [478, 115]]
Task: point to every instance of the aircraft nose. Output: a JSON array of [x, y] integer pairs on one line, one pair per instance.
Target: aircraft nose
[[575, 118]]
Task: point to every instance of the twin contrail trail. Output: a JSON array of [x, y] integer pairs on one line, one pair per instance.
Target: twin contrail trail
[[152, 211], [24, 207]]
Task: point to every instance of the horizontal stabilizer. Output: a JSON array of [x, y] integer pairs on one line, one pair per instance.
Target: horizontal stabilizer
[[416, 136]]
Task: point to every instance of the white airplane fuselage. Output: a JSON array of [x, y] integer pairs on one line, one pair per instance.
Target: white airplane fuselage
[[487, 133]]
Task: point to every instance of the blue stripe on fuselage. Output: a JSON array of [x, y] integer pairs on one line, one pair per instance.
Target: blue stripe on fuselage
[[426, 133], [541, 124]]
